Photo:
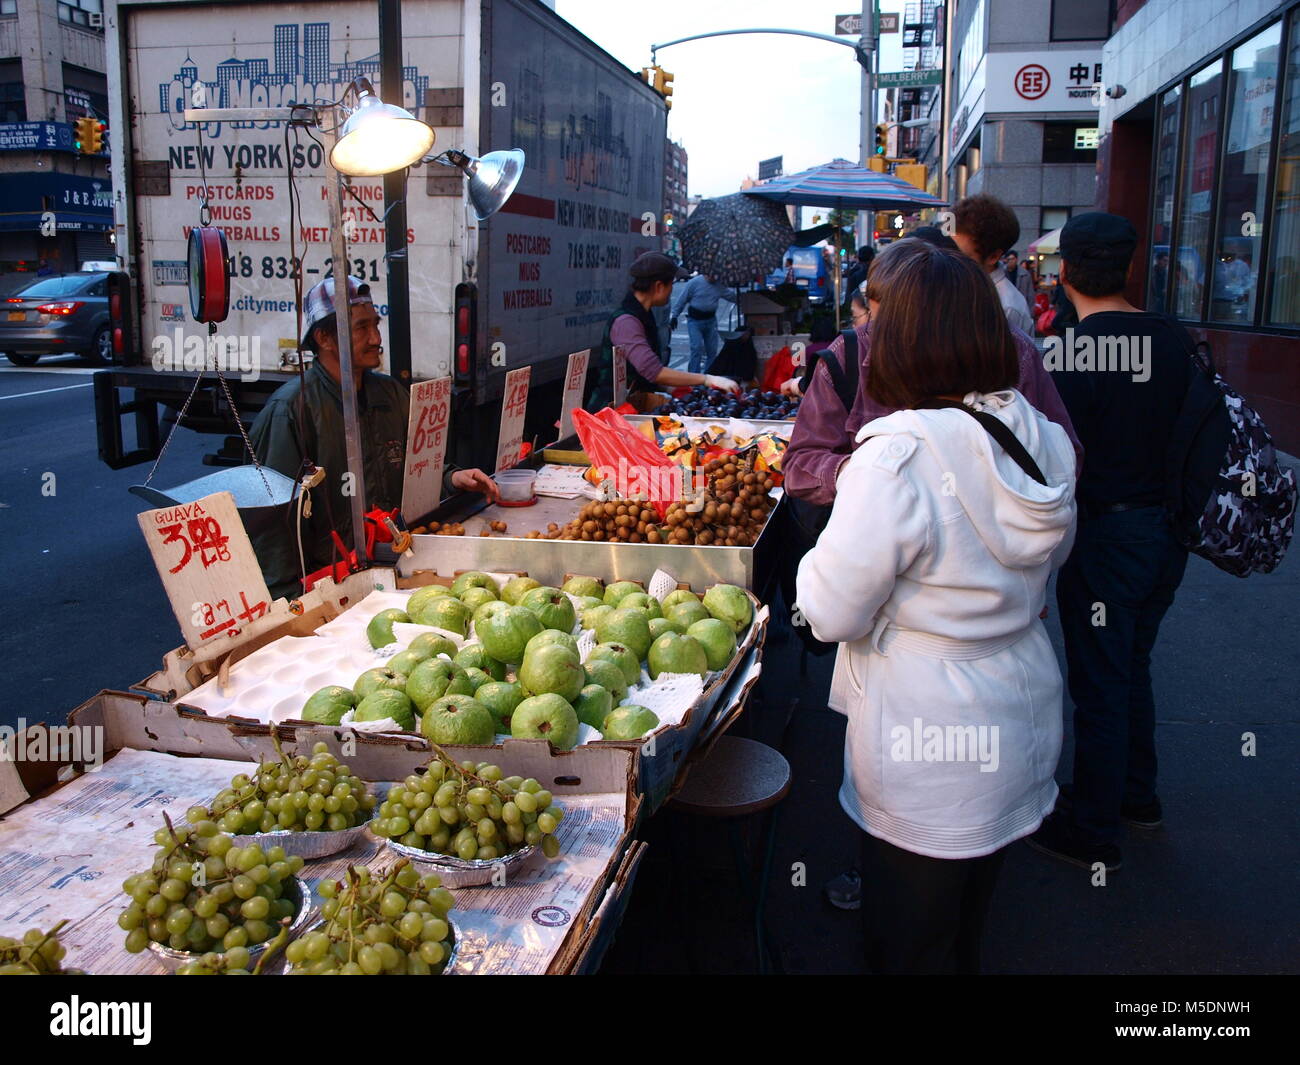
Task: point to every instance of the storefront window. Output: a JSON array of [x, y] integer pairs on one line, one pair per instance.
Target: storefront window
[[1162, 220], [1284, 305], [1200, 153], [1243, 203]]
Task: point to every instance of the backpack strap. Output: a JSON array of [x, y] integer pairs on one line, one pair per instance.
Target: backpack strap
[[1000, 431], [845, 376]]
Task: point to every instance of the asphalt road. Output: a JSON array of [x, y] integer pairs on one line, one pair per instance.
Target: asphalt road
[[1216, 891]]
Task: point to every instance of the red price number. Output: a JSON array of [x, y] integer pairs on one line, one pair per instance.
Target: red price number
[[517, 399], [219, 617], [429, 429], [201, 536]]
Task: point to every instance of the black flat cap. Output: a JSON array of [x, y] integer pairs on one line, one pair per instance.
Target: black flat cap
[[655, 266], [1099, 237]]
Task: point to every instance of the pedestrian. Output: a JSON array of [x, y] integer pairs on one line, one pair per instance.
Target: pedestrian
[[789, 271], [699, 297], [857, 273], [632, 328], [1021, 277], [966, 496], [986, 229], [302, 425], [1120, 579], [1158, 300]]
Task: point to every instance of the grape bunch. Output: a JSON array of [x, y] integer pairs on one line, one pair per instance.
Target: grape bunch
[[470, 811], [234, 962], [203, 894], [294, 794], [393, 922], [36, 954]]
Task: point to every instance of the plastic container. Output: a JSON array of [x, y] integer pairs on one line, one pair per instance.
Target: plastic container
[[516, 485]]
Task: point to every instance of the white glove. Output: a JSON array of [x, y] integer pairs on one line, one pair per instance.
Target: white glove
[[791, 388], [724, 383]]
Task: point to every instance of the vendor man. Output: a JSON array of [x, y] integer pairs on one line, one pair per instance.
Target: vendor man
[[632, 328], [302, 422]]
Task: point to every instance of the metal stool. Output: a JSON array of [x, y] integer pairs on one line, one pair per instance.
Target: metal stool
[[739, 778]]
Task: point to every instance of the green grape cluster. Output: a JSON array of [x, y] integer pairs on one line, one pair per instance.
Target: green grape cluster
[[36, 954], [237, 961], [204, 894], [469, 810], [392, 922], [294, 794]]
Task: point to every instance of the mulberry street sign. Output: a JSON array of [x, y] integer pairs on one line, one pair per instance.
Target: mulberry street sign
[[909, 79]]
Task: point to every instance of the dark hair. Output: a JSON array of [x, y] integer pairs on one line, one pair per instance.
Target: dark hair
[[991, 225], [645, 284], [941, 332], [1095, 277], [329, 326], [934, 235], [860, 299], [866, 253], [822, 331]]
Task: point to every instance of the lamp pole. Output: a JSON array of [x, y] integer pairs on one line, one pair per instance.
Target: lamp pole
[[395, 247]]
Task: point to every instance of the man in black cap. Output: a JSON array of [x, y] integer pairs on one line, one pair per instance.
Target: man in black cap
[[632, 327], [1123, 374]]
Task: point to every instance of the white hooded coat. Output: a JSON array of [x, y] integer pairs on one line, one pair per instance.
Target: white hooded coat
[[931, 573]]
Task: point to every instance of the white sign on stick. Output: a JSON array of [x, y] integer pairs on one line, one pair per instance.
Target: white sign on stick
[[620, 377], [426, 447], [575, 383], [207, 566], [514, 404]]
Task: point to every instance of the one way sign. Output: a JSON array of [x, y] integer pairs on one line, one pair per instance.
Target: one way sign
[[848, 25]]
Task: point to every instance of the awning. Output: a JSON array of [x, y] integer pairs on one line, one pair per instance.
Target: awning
[[1047, 244], [69, 202]]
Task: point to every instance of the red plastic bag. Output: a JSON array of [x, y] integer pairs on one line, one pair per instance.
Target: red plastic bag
[[636, 466]]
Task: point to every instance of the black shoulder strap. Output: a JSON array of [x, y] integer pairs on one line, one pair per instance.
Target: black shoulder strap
[[845, 377], [1001, 432]]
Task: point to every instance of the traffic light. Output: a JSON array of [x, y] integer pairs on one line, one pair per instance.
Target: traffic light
[[96, 142], [83, 133], [662, 82], [881, 131], [668, 219]]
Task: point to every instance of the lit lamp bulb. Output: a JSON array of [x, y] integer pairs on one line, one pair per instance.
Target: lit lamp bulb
[[378, 138]]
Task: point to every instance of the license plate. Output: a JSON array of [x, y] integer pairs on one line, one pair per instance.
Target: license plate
[[17, 316], [802, 283]]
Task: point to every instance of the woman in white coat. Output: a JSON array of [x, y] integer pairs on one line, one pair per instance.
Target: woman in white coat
[[931, 574]]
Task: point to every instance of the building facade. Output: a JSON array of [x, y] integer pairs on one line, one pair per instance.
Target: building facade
[[56, 207], [1023, 80], [1200, 147], [675, 202]]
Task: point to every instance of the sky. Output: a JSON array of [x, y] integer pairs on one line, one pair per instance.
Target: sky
[[737, 100]]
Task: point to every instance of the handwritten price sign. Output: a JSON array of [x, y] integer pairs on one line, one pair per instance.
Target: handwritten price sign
[[207, 566], [514, 404], [575, 383], [426, 447], [620, 377]]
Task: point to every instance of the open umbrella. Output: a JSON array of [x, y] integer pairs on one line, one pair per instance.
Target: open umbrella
[[735, 238], [847, 187], [1046, 244]]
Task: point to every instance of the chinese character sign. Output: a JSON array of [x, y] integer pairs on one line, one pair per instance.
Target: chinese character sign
[[575, 383], [514, 404], [620, 377], [426, 447], [207, 566]]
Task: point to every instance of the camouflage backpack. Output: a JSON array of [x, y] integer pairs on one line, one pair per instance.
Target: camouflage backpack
[[1230, 500]]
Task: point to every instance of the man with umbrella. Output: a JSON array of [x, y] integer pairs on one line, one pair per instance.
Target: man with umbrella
[[632, 327], [699, 296]]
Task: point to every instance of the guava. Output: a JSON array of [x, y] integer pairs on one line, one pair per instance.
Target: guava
[[728, 603], [628, 723], [475, 677], [328, 705], [546, 636], [546, 717], [445, 612], [615, 592], [506, 633], [475, 597], [379, 677], [380, 629], [429, 681], [717, 639], [406, 661], [458, 720], [501, 697], [421, 597], [551, 606], [513, 590], [685, 614], [628, 627], [473, 579], [609, 675], [473, 656], [431, 645], [622, 656], [489, 609], [679, 595], [658, 626], [386, 703], [552, 669], [592, 704], [580, 586], [591, 616], [461, 684], [675, 652], [641, 601]]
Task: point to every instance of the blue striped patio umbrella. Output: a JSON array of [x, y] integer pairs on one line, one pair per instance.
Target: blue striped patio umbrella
[[845, 186]]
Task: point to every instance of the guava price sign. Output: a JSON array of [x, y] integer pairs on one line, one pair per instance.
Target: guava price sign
[[620, 377], [426, 446], [206, 562], [514, 404], [575, 383]]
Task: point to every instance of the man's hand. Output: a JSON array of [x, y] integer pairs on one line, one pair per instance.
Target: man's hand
[[791, 388], [724, 383], [476, 481], [673, 322]]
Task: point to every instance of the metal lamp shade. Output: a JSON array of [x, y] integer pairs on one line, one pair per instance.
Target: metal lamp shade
[[492, 179], [378, 138]]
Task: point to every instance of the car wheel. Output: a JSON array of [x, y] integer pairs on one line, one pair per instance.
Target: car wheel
[[21, 360], [101, 350]]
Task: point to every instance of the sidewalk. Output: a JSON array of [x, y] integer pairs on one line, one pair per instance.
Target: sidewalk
[[1217, 890]]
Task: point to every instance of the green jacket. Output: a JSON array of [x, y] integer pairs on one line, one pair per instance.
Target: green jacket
[[285, 434]]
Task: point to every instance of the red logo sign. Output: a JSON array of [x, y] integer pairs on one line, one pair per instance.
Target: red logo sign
[[1032, 81]]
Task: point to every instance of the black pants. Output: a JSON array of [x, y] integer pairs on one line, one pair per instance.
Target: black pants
[[1112, 594], [924, 915]]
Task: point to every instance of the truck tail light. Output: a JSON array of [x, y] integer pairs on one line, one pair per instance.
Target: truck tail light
[[120, 319], [61, 310], [464, 339]]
